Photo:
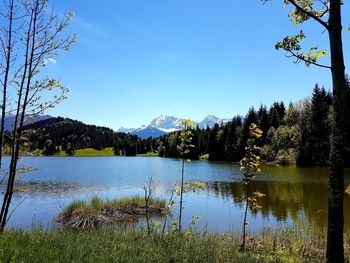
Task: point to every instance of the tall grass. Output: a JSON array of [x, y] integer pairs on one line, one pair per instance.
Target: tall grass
[[138, 200], [137, 246], [94, 205], [96, 212]]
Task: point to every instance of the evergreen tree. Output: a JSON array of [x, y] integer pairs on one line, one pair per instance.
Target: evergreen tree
[[276, 113], [292, 115], [231, 144], [213, 146], [263, 123], [304, 157], [320, 126], [250, 118]]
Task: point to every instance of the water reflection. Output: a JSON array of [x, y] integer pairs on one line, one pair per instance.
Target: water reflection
[[293, 194], [298, 201], [47, 189]]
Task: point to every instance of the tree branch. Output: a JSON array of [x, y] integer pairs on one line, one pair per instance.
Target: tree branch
[[14, 209], [299, 8], [299, 57]]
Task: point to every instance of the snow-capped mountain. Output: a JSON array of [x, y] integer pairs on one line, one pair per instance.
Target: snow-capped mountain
[[210, 121], [126, 130], [166, 124]]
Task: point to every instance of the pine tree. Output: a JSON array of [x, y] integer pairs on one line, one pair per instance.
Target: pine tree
[[320, 126], [263, 123], [251, 117], [304, 157], [213, 147]]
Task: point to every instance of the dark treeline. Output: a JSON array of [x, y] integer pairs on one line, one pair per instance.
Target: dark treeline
[[56, 134], [295, 134]]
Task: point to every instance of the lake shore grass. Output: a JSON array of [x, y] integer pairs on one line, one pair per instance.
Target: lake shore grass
[[64, 245], [90, 152], [149, 154], [107, 152], [97, 212]]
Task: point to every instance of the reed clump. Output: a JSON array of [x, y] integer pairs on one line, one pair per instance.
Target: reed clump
[[96, 212]]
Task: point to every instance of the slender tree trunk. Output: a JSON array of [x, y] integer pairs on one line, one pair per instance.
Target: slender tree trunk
[[181, 193], [17, 130], [335, 241], [245, 217], [6, 77], [167, 214], [147, 216]]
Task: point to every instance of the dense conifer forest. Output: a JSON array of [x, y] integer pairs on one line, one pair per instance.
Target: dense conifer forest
[[295, 134], [63, 134]]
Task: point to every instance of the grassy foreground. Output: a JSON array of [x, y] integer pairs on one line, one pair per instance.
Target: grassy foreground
[[136, 246]]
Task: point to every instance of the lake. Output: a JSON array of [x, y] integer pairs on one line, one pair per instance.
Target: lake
[[294, 196]]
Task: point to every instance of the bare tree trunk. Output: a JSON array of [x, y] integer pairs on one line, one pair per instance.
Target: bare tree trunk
[[147, 215], [17, 130], [39, 42], [335, 241], [181, 193], [149, 190], [6, 79], [169, 205]]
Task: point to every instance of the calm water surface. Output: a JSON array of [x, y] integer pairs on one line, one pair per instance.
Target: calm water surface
[[293, 195]]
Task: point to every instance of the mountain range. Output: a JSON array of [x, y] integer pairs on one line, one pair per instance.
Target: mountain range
[[10, 119], [166, 124], [158, 126]]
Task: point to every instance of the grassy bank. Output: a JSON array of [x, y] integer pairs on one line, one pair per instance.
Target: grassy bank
[[107, 152], [149, 154], [137, 246], [89, 152]]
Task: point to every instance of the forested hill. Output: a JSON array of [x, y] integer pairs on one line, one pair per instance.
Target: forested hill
[[295, 134], [56, 134]]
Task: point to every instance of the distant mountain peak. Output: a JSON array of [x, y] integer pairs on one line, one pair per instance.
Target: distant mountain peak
[[211, 117], [10, 119], [164, 124], [126, 130], [211, 120]]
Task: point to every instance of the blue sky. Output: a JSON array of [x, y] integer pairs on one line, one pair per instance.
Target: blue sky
[[135, 60]]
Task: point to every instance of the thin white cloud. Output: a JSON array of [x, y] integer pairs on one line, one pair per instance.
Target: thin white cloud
[[49, 60], [52, 60]]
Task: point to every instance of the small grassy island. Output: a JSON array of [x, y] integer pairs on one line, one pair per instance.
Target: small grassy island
[[97, 212]]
